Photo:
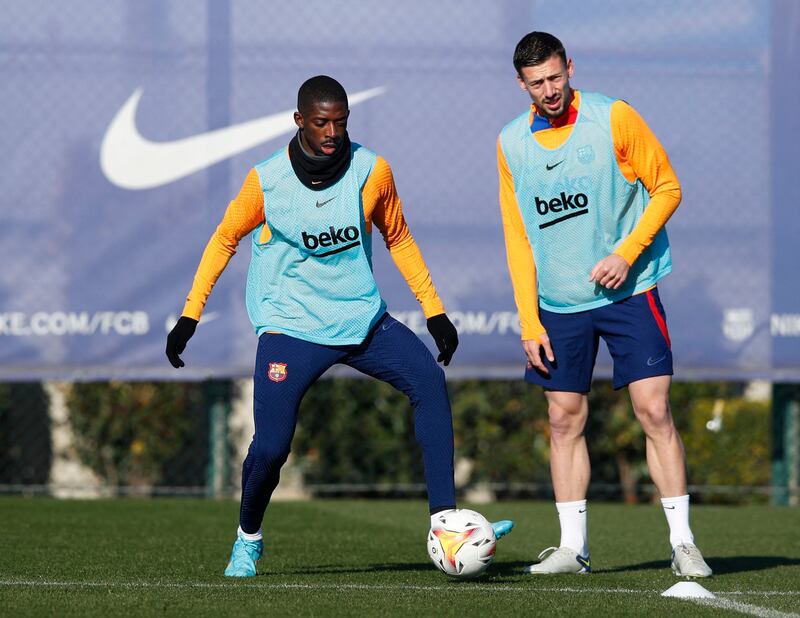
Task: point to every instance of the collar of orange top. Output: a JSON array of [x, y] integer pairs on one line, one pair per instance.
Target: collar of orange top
[[568, 117]]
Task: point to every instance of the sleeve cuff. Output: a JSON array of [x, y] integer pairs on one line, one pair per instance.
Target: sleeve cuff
[[533, 331], [627, 253], [192, 309], [432, 307]]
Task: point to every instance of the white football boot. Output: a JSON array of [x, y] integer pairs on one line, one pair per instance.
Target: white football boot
[[561, 560], [687, 561]]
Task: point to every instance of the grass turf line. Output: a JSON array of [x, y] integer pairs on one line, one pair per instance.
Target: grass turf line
[[350, 557]]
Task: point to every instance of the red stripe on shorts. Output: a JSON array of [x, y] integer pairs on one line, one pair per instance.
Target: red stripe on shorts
[[662, 325]]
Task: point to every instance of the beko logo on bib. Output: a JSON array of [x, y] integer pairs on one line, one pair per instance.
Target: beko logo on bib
[[573, 205], [563, 202], [131, 161], [334, 236]]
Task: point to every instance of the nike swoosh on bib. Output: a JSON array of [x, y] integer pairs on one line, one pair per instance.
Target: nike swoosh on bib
[[131, 161]]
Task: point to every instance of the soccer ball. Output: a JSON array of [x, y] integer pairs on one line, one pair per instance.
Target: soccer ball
[[461, 542]]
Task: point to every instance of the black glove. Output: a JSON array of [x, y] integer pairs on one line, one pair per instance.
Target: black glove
[[178, 338], [445, 335]]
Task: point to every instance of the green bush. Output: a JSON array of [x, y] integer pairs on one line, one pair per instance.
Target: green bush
[[125, 431], [25, 449], [361, 431], [357, 431], [616, 443], [738, 454], [501, 427], [354, 431]]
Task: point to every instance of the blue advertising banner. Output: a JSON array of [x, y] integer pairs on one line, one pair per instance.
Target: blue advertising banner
[[128, 126]]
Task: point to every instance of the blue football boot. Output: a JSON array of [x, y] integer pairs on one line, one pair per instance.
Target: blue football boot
[[244, 556], [502, 527]]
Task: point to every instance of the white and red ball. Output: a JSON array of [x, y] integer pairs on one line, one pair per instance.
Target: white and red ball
[[461, 542]]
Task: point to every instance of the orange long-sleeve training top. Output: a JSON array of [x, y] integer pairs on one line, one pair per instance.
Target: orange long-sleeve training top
[[381, 205], [639, 155]]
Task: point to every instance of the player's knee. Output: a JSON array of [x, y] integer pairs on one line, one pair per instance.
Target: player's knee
[[566, 427], [427, 384], [270, 454], [566, 422], [655, 417], [437, 378]]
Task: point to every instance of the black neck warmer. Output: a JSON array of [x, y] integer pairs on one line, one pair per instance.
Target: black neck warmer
[[319, 173]]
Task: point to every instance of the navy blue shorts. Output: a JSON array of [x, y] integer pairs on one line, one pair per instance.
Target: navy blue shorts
[[634, 329]]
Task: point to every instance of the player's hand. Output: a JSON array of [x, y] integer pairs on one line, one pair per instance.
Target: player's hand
[[178, 338], [533, 350], [445, 335], [610, 272]]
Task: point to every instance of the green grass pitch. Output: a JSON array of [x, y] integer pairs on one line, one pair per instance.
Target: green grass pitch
[[367, 558]]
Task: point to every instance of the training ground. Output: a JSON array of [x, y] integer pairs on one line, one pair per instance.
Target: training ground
[[139, 557]]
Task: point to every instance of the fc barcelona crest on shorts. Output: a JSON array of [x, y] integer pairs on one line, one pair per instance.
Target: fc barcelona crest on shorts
[[277, 372]]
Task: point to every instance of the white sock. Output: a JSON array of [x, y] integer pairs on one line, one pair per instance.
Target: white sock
[[574, 532], [677, 511], [249, 537]]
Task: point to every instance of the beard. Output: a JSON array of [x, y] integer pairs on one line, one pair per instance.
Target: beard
[[566, 97]]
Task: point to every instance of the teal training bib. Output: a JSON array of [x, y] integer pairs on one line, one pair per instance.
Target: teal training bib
[[313, 279], [578, 208]]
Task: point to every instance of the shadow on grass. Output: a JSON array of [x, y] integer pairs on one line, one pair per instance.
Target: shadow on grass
[[720, 566], [496, 573], [509, 571], [330, 569]]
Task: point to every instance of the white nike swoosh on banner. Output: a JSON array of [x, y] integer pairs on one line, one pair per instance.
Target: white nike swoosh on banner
[[172, 320], [132, 161]]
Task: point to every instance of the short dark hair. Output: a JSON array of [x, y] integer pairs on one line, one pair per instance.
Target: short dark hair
[[535, 48], [320, 89]]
